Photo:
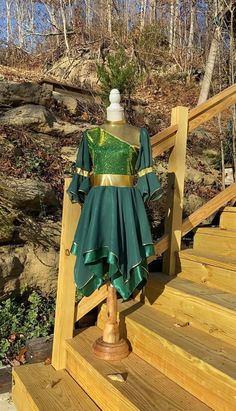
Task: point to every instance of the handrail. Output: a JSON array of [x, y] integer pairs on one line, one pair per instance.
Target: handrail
[[86, 304], [198, 115]]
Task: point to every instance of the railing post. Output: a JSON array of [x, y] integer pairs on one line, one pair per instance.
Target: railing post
[[65, 302], [176, 172]]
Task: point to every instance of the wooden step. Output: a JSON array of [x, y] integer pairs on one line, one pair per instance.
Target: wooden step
[[207, 268], [40, 387], [200, 363], [206, 308], [145, 388], [228, 218], [216, 241]]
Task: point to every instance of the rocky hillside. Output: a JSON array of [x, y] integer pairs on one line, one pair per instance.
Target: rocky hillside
[[40, 130]]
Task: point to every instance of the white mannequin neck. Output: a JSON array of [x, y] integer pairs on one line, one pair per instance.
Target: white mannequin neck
[[115, 111]]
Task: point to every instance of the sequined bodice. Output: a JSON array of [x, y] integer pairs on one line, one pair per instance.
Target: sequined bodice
[[110, 154]]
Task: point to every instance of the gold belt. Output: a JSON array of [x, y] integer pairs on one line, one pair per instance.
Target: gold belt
[[117, 180]]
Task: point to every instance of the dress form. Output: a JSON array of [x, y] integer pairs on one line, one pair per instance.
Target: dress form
[[110, 346], [116, 123]]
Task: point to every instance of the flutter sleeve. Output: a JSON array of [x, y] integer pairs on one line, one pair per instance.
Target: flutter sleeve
[[148, 182], [80, 183]]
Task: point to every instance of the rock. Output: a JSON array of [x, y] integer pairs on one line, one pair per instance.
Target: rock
[[28, 194], [15, 94], [7, 229], [46, 233], [28, 267], [12, 260], [78, 103], [80, 71], [192, 203], [191, 174], [66, 129], [43, 140], [69, 102], [69, 153], [39, 349], [161, 168], [37, 118], [210, 179], [210, 153]]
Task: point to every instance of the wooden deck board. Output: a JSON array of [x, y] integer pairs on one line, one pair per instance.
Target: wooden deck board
[[217, 260], [209, 309], [200, 363], [215, 240], [210, 269], [39, 387], [145, 388], [228, 218]]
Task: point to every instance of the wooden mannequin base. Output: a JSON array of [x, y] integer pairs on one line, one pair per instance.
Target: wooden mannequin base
[[111, 351]]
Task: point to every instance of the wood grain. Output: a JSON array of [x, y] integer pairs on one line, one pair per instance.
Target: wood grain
[[86, 304], [65, 301], [198, 216], [175, 192], [215, 240], [213, 270], [145, 388], [197, 361], [228, 218], [39, 387], [208, 309]]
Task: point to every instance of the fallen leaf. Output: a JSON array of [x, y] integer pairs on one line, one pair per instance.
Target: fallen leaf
[[12, 337], [116, 377], [21, 356], [181, 325], [15, 363], [84, 116], [47, 361], [52, 383]]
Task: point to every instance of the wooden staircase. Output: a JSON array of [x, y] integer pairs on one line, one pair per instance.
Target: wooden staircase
[[212, 261], [182, 329], [185, 325]]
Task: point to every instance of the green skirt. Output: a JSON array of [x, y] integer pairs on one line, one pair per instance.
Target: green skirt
[[112, 241]]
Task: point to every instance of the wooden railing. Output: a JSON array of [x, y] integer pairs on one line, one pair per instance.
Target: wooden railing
[[165, 140], [174, 138]]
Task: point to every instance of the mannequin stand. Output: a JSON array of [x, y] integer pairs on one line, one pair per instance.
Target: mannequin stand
[[111, 347]]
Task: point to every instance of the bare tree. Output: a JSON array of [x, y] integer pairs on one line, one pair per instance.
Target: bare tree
[[232, 79], [191, 30], [212, 55], [143, 13], [8, 20], [109, 17], [171, 30], [63, 16], [153, 5]]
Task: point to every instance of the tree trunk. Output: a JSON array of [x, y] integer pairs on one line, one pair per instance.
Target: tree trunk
[[87, 17], [232, 78], [209, 67], [143, 13], [175, 23], [191, 30], [8, 17], [171, 35], [153, 5], [63, 16], [109, 17]]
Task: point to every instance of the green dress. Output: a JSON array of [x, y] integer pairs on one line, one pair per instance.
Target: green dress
[[113, 237]]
